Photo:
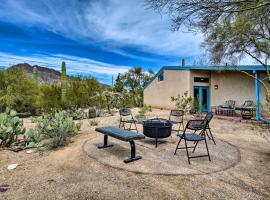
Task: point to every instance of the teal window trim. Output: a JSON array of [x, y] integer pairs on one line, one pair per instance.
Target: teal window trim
[[201, 96]]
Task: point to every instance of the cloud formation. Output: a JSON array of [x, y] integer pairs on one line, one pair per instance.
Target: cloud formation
[[75, 65], [112, 24]]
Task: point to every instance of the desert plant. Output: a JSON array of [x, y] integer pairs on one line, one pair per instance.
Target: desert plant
[[49, 99], [76, 113], [17, 90], [11, 127], [93, 122], [183, 102], [141, 114], [56, 129], [63, 82], [32, 139]]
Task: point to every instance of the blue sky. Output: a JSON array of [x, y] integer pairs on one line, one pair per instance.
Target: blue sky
[[95, 37]]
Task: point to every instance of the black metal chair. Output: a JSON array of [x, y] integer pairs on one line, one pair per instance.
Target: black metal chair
[[228, 108], [208, 132], [194, 132], [126, 117], [177, 117]]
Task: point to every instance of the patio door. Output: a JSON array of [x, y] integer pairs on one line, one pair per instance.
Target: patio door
[[201, 98]]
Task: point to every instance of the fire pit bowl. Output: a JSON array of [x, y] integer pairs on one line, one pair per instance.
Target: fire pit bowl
[[157, 128]]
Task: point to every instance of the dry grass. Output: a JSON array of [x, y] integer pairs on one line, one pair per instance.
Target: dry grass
[[68, 173]]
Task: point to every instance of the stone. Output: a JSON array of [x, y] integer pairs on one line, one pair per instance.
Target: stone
[[12, 167]]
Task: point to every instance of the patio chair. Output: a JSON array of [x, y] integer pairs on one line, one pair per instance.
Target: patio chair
[[194, 132], [176, 117], [247, 108], [209, 117], [228, 108], [126, 117]]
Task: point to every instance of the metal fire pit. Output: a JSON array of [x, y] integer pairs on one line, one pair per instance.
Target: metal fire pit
[[157, 128]]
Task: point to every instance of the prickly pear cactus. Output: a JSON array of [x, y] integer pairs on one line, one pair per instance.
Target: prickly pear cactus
[[10, 127]]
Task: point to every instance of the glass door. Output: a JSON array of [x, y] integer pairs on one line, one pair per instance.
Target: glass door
[[201, 98]]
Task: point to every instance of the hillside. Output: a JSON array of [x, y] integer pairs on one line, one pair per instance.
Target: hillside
[[45, 75]]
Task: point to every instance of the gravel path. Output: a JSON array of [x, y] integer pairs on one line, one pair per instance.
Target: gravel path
[[68, 173]]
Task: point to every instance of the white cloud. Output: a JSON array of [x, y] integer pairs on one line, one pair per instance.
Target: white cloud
[[112, 23], [78, 65]]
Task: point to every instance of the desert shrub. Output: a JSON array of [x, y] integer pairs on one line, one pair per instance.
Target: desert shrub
[[183, 102], [18, 91], [76, 113], [141, 114], [49, 99], [80, 90], [93, 122], [11, 127], [56, 129]]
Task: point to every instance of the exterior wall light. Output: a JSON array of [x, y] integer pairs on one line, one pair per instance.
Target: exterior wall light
[[216, 87]]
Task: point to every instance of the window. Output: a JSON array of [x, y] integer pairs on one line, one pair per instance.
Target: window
[[161, 77], [201, 80]]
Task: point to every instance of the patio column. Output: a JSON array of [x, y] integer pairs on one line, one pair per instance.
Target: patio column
[[258, 95]]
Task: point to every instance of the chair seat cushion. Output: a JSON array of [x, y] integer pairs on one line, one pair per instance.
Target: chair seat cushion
[[190, 136], [119, 133]]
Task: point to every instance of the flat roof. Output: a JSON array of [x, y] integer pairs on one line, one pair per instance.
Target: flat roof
[[209, 68]]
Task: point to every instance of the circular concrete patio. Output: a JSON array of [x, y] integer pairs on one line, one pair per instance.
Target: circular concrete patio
[[161, 160]]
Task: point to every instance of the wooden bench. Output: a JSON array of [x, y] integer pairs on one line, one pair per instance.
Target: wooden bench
[[121, 134]]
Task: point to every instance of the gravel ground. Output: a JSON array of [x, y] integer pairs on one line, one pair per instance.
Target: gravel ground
[[68, 173]]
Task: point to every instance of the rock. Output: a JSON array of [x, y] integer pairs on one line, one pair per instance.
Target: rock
[[30, 151], [12, 167], [4, 187]]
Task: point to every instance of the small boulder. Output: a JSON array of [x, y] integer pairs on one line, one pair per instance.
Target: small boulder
[[12, 167]]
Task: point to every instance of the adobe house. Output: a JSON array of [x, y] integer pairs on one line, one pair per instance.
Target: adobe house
[[212, 85]]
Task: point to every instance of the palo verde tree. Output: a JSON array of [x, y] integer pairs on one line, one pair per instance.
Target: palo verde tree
[[133, 82], [233, 28]]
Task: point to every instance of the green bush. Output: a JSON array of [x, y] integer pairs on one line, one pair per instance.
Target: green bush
[[183, 102], [56, 129], [93, 122], [18, 91], [11, 127], [141, 114], [49, 99], [76, 113]]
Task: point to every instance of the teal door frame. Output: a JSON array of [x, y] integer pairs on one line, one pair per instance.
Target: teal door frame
[[200, 88]]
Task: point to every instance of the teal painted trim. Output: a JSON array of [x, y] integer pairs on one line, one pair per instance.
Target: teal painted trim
[[209, 68], [258, 96]]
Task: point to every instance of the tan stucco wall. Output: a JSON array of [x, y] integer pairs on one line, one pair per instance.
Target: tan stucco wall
[[231, 85], [158, 94], [236, 86]]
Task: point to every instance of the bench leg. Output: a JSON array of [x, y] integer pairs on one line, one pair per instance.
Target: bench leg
[[133, 156], [105, 145]]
